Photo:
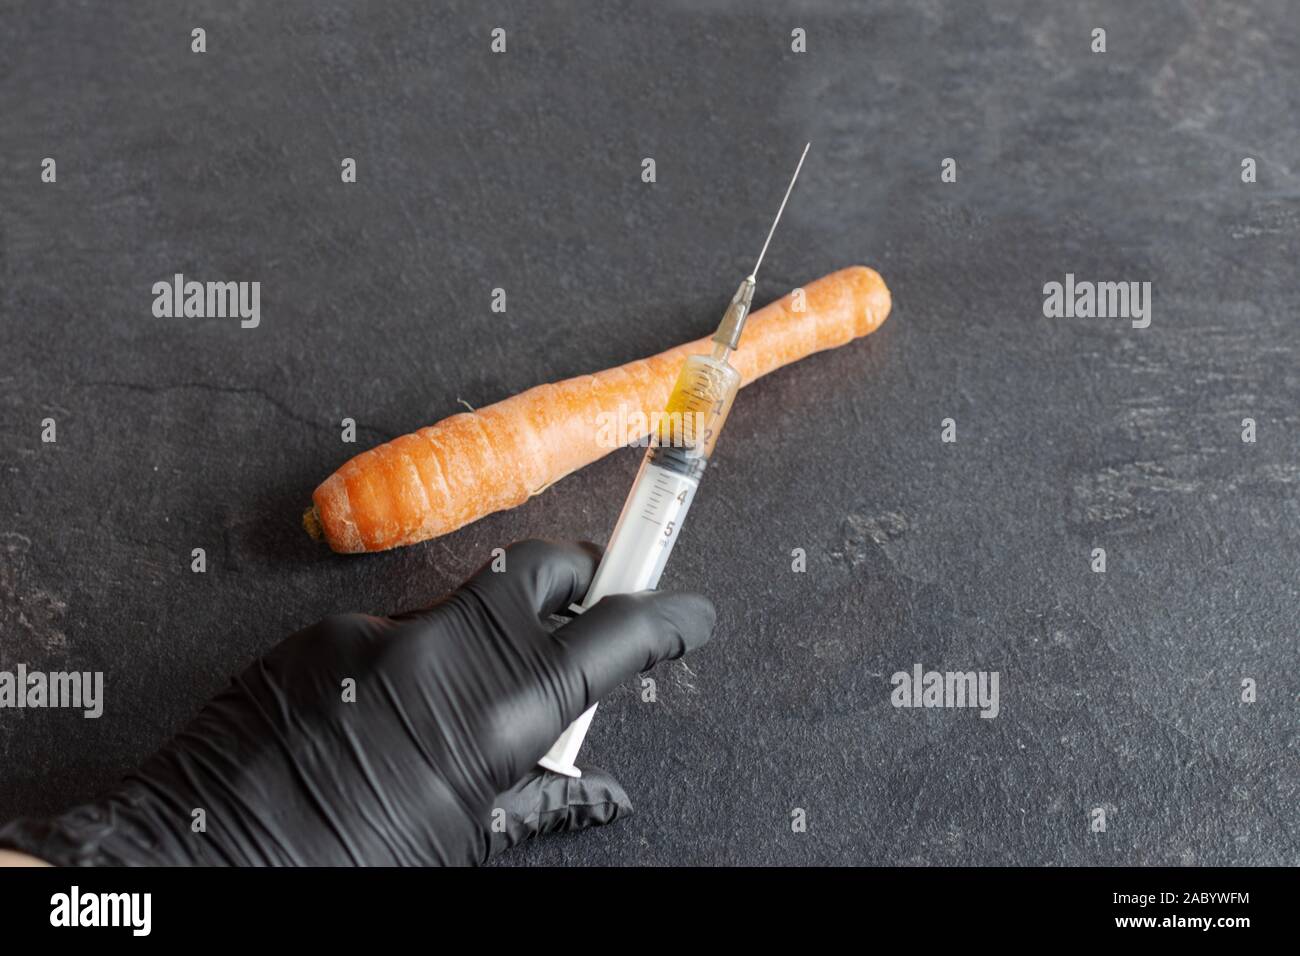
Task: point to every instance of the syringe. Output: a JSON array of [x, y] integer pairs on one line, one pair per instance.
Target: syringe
[[670, 473]]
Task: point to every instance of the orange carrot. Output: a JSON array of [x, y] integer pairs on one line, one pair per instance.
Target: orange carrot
[[472, 464]]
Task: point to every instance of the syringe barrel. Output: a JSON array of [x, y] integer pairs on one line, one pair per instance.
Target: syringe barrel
[[680, 446], [647, 528], [656, 508]]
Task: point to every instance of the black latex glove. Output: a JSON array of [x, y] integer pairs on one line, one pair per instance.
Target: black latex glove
[[453, 707]]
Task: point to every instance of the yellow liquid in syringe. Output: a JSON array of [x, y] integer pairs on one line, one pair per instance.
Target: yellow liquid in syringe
[[670, 473]]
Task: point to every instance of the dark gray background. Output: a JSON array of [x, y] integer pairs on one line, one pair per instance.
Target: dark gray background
[[523, 171]]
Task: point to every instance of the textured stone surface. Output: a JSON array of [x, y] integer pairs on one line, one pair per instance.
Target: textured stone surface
[[1118, 690]]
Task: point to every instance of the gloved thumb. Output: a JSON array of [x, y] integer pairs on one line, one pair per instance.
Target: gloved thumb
[[623, 635], [545, 802]]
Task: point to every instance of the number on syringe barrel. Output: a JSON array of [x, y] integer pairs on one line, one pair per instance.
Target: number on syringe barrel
[[666, 499], [694, 415], [704, 385], [705, 389]]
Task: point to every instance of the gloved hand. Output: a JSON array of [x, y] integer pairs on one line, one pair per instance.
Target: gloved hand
[[452, 708]]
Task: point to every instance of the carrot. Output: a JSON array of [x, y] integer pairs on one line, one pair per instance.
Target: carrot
[[472, 464]]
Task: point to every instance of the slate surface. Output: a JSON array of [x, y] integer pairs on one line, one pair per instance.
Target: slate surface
[[1118, 690]]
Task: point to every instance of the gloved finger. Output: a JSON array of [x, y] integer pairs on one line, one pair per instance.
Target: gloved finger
[[544, 802], [544, 576], [622, 635]]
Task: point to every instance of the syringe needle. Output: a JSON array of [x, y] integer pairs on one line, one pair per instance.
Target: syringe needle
[[788, 190], [666, 483], [733, 320]]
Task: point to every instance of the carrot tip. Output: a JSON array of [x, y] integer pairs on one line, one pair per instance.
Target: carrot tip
[[311, 523]]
